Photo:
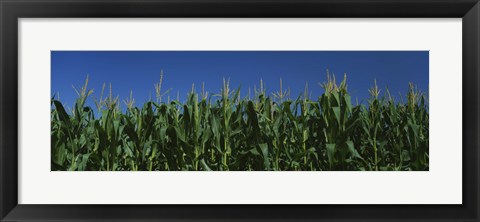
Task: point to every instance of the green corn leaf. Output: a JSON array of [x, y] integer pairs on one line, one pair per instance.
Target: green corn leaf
[[330, 153]]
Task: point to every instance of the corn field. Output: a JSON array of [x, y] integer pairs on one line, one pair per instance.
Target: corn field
[[228, 132]]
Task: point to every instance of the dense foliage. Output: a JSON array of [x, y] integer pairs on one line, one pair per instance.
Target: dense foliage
[[226, 132]]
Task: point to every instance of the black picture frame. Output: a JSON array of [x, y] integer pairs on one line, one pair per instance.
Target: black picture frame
[[11, 10]]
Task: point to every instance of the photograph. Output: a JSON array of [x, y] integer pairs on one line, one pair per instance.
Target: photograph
[[239, 110], [278, 110]]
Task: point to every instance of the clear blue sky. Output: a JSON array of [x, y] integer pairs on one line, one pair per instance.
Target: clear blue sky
[[139, 70]]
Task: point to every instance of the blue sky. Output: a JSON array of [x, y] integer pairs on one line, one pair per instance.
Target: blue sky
[[139, 70]]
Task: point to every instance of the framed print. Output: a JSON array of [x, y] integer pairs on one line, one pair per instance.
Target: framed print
[[225, 110]]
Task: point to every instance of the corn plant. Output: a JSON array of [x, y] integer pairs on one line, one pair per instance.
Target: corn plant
[[225, 132]]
